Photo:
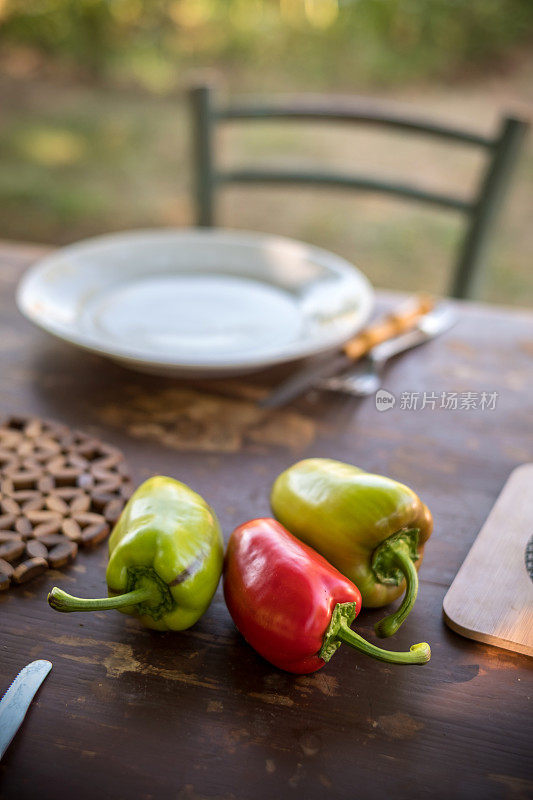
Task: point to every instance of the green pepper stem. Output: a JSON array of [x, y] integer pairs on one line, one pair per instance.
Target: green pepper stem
[[61, 601], [389, 625], [418, 653]]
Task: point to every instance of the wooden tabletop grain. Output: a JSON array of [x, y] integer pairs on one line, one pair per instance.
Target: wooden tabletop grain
[[127, 713]]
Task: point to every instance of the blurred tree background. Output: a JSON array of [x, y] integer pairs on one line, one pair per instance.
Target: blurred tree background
[[94, 128]]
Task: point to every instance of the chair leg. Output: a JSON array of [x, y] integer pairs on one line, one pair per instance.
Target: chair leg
[[491, 193], [202, 150]]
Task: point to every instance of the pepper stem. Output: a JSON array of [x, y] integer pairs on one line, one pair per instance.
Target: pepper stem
[[393, 562], [401, 557], [61, 601], [339, 631], [418, 653]]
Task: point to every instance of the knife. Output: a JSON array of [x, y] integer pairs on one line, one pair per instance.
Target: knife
[[400, 321], [17, 699]]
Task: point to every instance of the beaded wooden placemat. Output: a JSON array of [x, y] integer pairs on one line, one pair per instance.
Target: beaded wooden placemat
[[60, 489]]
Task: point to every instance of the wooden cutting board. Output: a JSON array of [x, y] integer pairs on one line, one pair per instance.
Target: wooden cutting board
[[491, 598]]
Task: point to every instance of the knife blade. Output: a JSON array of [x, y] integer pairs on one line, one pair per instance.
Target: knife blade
[[17, 699], [305, 379]]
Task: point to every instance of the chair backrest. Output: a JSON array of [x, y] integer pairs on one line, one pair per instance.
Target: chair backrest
[[480, 211]]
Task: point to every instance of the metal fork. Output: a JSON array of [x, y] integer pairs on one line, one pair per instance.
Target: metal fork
[[366, 377]]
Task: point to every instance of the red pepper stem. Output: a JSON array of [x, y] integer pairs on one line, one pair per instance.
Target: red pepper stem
[[339, 631], [418, 653], [401, 557], [61, 601]]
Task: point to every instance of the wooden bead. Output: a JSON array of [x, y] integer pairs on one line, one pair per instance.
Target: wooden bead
[[34, 504], [80, 503], [23, 526], [71, 529], [6, 568], [51, 539], [9, 536], [107, 482], [42, 515], [88, 518], [56, 464], [36, 549], [7, 521], [29, 569], [46, 483], [9, 506], [77, 461], [55, 503], [11, 550], [22, 496], [68, 493], [62, 554], [111, 481], [6, 486], [94, 534], [113, 510], [47, 527]]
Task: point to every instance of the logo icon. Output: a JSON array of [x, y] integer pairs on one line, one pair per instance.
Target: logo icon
[[385, 400]]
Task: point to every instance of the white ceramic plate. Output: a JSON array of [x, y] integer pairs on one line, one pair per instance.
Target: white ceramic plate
[[198, 301]]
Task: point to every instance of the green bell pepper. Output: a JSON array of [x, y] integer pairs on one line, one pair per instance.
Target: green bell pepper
[[165, 558], [371, 528]]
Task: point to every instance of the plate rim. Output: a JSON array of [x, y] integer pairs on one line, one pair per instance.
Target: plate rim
[[337, 264]]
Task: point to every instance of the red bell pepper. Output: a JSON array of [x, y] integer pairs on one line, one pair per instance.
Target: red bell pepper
[[290, 604]]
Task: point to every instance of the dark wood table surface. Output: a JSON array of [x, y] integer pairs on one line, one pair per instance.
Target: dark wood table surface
[[127, 713]]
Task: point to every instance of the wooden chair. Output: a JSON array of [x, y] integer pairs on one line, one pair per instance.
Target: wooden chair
[[480, 211]]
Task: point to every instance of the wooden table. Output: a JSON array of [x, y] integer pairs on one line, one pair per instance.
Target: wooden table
[[127, 713]]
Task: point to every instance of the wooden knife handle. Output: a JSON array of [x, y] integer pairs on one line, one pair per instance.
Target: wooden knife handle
[[390, 326]]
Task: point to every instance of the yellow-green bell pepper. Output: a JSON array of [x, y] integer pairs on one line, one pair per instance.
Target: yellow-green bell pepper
[[165, 558], [371, 528]]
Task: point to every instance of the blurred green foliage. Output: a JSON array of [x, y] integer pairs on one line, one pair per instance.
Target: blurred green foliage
[[333, 41], [80, 156]]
